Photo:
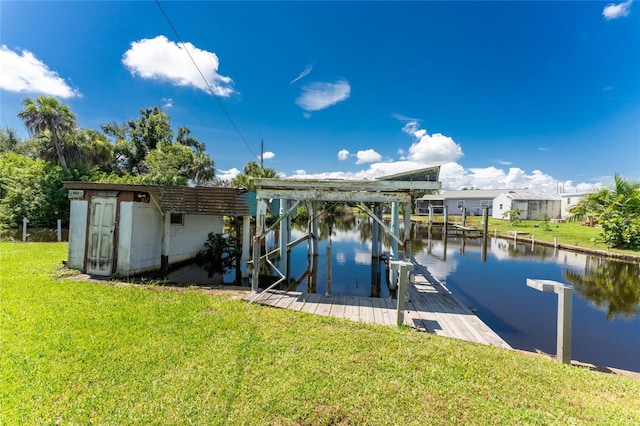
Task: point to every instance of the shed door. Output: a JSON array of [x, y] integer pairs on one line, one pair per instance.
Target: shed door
[[101, 226]]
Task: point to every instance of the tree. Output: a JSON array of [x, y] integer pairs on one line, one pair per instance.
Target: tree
[[47, 114], [9, 140], [251, 171], [513, 215], [145, 147], [617, 209]]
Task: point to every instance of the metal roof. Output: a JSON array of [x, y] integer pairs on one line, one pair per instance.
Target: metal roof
[[475, 194], [530, 196], [184, 199]]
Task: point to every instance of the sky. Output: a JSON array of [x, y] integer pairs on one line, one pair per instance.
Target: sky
[[541, 95]]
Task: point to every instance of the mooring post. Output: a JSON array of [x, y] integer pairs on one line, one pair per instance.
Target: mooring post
[[445, 211], [59, 230], [405, 269], [407, 232], [564, 327], [555, 242], [395, 229], [430, 216], [485, 232], [464, 216], [283, 237], [24, 228], [327, 291]]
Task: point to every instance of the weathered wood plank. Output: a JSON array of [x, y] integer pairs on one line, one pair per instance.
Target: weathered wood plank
[[431, 307], [324, 306], [338, 306], [311, 303]]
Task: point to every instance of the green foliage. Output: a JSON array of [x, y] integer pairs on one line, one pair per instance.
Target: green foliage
[[621, 231], [618, 211], [33, 189], [513, 215], [251, 171], [219, 254], [545, 221], [46, 115]]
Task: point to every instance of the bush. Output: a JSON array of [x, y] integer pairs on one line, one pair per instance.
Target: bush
[[621, 231]]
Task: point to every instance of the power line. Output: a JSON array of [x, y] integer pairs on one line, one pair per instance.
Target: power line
[[205, 80]]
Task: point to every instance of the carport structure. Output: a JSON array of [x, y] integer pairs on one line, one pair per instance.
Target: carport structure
[[370, 196]]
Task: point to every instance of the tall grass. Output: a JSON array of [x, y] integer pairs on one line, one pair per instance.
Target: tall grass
[[76, 352]]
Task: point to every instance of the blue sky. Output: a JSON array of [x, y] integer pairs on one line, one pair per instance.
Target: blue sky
[[501, 94]]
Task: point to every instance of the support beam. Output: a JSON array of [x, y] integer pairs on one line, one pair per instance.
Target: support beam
[[284, 236], [395, 252], [261, 211], [407, 232], [246, 242], [405, 269]]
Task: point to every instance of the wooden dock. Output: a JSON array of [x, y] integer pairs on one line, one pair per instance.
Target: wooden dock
[[430, 308]]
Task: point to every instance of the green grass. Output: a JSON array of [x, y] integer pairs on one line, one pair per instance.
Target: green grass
[[74, 352], [568, 233]]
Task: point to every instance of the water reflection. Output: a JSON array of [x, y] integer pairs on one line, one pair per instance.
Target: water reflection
[[612, 285], [492, 280]]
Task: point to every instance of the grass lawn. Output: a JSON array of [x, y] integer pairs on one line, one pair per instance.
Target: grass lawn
[[75, 352], [569, 233]]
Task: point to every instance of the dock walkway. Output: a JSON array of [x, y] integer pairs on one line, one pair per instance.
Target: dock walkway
[[430, 307]]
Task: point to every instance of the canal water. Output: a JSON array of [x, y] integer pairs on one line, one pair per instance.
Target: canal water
[[606, 297]]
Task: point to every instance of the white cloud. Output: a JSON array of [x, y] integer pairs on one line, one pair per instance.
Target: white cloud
[[615, 11], [24, 73], [167, 102], [227, 174], [305, 72], [431, 149], [343, 154], [504, 162], [452, 174], [161, 59], [543, 149], [267, 155], [320, 95], [367, 156]]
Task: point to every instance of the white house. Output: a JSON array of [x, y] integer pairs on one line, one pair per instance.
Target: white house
[[569, 200], [128, 229], [473, 199], [533, 205]]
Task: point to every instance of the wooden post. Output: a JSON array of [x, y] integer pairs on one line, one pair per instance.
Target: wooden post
[[24, 228], [407, 232], [246, 243], [430, 216], [395, 229], [445, 211], [328, 283], [375, 234], [261, 211], [59, 230], [485, 232], [464, 216], [314, 228], [564, 326], [283, 238], [405, 269]]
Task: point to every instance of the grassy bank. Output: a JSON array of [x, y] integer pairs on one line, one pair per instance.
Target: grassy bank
[[568, 233], [74, 352]]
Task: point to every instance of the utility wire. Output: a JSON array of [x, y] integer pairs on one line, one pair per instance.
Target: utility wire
[[205, 79]]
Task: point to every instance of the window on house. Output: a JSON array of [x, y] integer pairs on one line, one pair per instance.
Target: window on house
[[485, 203], [177, 219], [500, 206]]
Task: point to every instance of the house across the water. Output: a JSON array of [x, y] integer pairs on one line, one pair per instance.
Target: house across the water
[[474, 200]]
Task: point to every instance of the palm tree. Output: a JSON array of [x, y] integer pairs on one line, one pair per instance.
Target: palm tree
[[48, 114]]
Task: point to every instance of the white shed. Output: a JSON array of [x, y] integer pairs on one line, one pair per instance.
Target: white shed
[[533, 205], [129, 229]]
